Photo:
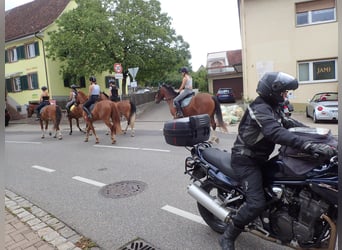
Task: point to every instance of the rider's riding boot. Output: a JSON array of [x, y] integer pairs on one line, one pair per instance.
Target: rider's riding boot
[[179, 113], [88, 112], [228, 238]]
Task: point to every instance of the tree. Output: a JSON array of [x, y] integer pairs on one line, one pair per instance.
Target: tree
[[90, 38]]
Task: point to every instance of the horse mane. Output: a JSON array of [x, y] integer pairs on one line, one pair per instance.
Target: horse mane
[[106, 95], [170, 89]]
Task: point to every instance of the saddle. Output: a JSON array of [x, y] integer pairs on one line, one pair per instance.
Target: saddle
[[187, 99]]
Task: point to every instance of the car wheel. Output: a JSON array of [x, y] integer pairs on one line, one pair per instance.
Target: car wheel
[[314, 118]]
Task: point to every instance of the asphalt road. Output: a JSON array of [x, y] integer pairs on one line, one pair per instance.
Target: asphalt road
[[67, 178]]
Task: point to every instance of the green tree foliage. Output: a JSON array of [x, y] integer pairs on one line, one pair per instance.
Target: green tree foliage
[[96, 34]]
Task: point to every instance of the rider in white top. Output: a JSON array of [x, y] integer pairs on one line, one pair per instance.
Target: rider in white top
[[184, 90]]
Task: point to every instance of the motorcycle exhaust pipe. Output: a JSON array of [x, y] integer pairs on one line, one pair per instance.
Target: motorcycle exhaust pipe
[[208, 202]]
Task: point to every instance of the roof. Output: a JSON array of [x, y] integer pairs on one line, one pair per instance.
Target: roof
[[32, 17], [234, 57]]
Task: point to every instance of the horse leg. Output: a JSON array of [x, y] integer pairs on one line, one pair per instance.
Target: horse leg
[[132, 121], [213, 137], [42, 129], [70, 124], [112, 129], [87, 132], [78, 125]]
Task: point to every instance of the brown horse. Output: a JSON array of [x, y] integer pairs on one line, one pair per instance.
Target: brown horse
[[48, 113], [76, 112], [127, 109], [103, 110], [201, 103]]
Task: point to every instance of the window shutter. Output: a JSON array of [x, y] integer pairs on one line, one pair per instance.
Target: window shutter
[[21, 52], [36, 48], [314, 5], [34, 79], [66, 82], [24, 83], [6, 56], [9, 85]]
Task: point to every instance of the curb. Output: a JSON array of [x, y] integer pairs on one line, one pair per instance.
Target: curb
[[48, 228]]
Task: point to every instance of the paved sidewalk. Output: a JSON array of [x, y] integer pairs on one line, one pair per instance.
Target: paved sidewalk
[[27, 227]]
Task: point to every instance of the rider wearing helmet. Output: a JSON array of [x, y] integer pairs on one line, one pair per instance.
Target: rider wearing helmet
[[93, 95], [43, 100], [184, 90], [113, 91], [72, 98], [262, 126]]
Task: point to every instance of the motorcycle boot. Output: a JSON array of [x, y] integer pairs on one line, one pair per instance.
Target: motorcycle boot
[[179, 113], [229, 236]]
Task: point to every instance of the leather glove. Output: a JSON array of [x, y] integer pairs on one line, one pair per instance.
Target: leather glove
[[319, 149]]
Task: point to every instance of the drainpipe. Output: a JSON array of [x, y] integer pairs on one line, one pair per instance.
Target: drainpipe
[[46, 73]]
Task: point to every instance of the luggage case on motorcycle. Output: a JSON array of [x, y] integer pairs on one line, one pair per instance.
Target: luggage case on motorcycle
[[187, 131]]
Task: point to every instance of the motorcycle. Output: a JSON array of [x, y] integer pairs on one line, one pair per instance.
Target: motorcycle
[[302, 208]]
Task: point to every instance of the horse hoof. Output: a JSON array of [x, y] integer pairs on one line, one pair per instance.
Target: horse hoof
[[70, 133], [85, 140], [50, 134], [113, 142], [60, 138], [97, 142]]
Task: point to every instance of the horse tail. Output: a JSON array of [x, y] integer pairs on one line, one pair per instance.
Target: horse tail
[[218, 113], [58, 116], [115, 115], [132, 112]]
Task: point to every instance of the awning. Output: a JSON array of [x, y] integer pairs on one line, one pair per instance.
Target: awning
[[11, 75]]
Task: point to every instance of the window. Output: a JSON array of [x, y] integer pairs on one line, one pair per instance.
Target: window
[[12, 55], [317, 71], [21, 83], [313, 12], [32, 50]]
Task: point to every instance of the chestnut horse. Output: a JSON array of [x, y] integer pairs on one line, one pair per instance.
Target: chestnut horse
[[76, 112], [104, 110], [201, 103], [48, 113], [127, 109]]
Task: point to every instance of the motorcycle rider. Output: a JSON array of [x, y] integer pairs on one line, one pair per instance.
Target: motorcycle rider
[[262, 126]]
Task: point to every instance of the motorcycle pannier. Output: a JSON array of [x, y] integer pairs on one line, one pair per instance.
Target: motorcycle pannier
[[187, 131]]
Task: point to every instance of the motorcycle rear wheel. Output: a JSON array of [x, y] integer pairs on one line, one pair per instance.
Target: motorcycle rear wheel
[[213, 222]]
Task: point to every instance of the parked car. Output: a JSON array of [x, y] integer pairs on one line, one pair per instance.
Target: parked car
[[323, 106], [7, 117], [142, 91], [225, 95]]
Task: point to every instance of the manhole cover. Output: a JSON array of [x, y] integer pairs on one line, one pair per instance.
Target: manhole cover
[[138, 244], [123, 189]]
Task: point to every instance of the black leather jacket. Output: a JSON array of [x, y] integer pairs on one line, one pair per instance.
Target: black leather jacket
[[262, 127]]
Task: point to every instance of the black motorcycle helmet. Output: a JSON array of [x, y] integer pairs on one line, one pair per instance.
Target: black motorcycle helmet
[[92, 79], [273, 84], [183, 70], [43, 88]]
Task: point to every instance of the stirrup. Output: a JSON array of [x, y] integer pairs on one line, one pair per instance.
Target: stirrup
[[179, 114]]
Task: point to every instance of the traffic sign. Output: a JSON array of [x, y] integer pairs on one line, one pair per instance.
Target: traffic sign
[[118, 68]]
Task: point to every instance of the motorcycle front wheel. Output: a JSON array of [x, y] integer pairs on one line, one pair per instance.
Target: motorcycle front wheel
[[213, 222]]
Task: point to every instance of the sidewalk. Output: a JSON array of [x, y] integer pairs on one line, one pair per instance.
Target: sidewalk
[[31, 228]]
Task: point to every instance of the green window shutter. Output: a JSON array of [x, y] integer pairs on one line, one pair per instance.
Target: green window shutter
[[36, 48], [21, 52], [82, 82], [6, 56], [34, 79], [9, 85], [24, 83]]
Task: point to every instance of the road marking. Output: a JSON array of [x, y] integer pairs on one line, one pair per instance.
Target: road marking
[[133, 148], [89, 181], [23, 142], [43, 168], [184, 214], [157, 150]]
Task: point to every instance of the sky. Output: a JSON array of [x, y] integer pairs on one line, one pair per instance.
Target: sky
[[208, 26]]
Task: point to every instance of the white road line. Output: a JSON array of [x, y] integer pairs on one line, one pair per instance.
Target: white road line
[[89, 181], [23, 142], [133, 148], [43, 168], [157, 150], [184, 214]]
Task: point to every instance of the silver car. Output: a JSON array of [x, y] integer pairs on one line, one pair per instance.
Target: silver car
[[323, 106]]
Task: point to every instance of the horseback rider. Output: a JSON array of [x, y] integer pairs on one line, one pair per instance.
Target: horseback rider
[[114, 95], [43, 101], [72, 98], [93, 95], [184, 90]]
